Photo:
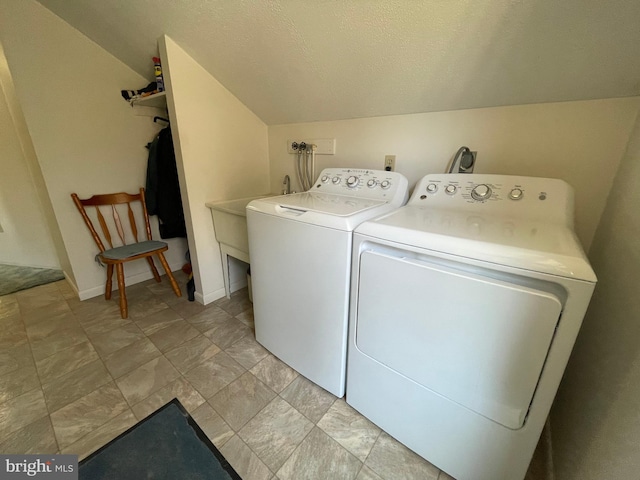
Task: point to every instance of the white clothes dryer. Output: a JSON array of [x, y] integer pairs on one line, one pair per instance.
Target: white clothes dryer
[[465, 305], [300, 248]]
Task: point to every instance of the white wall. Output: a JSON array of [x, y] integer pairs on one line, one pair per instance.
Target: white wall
[[86, 137], [595, 422], [33, 165], [221, 150], [579, 142], [25, 238]]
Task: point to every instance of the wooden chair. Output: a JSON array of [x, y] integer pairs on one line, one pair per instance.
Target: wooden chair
[[126, 252]]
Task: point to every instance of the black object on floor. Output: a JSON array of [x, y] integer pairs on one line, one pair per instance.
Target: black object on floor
[[167, 445], [191, 288]]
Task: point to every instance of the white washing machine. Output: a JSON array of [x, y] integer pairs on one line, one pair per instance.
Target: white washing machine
[[300, 248], [465, 305]]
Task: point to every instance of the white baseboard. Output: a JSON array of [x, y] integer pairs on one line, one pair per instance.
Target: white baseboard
[[141, 277], [71, 283], [209, 297], [235, 286], [90, 293], [216, 294], [131, 280]]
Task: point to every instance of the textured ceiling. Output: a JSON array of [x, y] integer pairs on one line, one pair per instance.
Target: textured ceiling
[[306, 60]]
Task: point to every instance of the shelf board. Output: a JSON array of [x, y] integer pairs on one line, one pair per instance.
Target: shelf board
[[158, 100]]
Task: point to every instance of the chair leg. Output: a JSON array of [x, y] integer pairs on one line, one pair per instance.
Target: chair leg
[[172, 280], [154, 270], [107, 288], [124, 313]]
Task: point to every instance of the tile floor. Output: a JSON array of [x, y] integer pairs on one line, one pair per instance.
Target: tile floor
[[74, 375]]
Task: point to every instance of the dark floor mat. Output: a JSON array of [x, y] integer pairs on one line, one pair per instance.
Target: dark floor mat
[[167, 445]]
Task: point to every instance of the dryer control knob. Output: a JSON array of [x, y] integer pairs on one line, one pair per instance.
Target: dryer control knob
[[481, 192], [516, 194], [432, 188], [450, 189], [372, 183], [325, 178], [335, 180], [352, 181], [385, 184]]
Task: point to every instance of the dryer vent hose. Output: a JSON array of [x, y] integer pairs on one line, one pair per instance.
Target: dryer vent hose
[[466, 159]]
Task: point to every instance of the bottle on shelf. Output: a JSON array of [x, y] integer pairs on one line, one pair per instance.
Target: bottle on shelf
[[157, 69]]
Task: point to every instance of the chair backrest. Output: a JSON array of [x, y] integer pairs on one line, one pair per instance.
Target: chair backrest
[[110, 202]]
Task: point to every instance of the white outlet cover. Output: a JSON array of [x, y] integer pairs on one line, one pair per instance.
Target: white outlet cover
[[390, 162]]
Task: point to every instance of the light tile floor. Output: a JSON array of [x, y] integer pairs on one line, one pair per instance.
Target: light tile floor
[[74, 375]]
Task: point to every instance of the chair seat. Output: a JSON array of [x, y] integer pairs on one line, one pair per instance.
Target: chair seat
[[127, 251]]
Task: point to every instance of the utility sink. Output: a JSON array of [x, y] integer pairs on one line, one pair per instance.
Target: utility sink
[[230, 225]]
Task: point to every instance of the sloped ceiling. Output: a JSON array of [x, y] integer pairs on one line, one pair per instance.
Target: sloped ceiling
[[306, 60]]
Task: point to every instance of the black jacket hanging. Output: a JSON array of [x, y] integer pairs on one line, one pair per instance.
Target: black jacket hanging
[[163, 187]]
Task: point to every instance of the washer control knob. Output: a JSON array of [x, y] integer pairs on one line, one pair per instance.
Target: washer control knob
[[516, 194], [385, 184], [481, 192], [432, 188], [450, 189], [372, 183], [335, 180], [325, 178], [352, 181]]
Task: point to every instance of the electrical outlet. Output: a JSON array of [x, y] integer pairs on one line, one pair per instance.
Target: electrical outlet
[[390, 163]]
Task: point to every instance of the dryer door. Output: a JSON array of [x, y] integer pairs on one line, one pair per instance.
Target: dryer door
[[476, 340]]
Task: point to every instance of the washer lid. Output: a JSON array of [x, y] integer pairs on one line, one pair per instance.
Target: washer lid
[[533, 245], [328, 204], [334, 211]]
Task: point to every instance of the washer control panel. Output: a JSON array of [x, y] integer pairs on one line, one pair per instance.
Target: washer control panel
[[364, 183], [516, 195]]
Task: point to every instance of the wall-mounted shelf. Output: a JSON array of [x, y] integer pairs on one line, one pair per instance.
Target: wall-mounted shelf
[[157, 100], [150, 106]]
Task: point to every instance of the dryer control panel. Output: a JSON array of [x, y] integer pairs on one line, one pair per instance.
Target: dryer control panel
[[523, 197], [363, 183]]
